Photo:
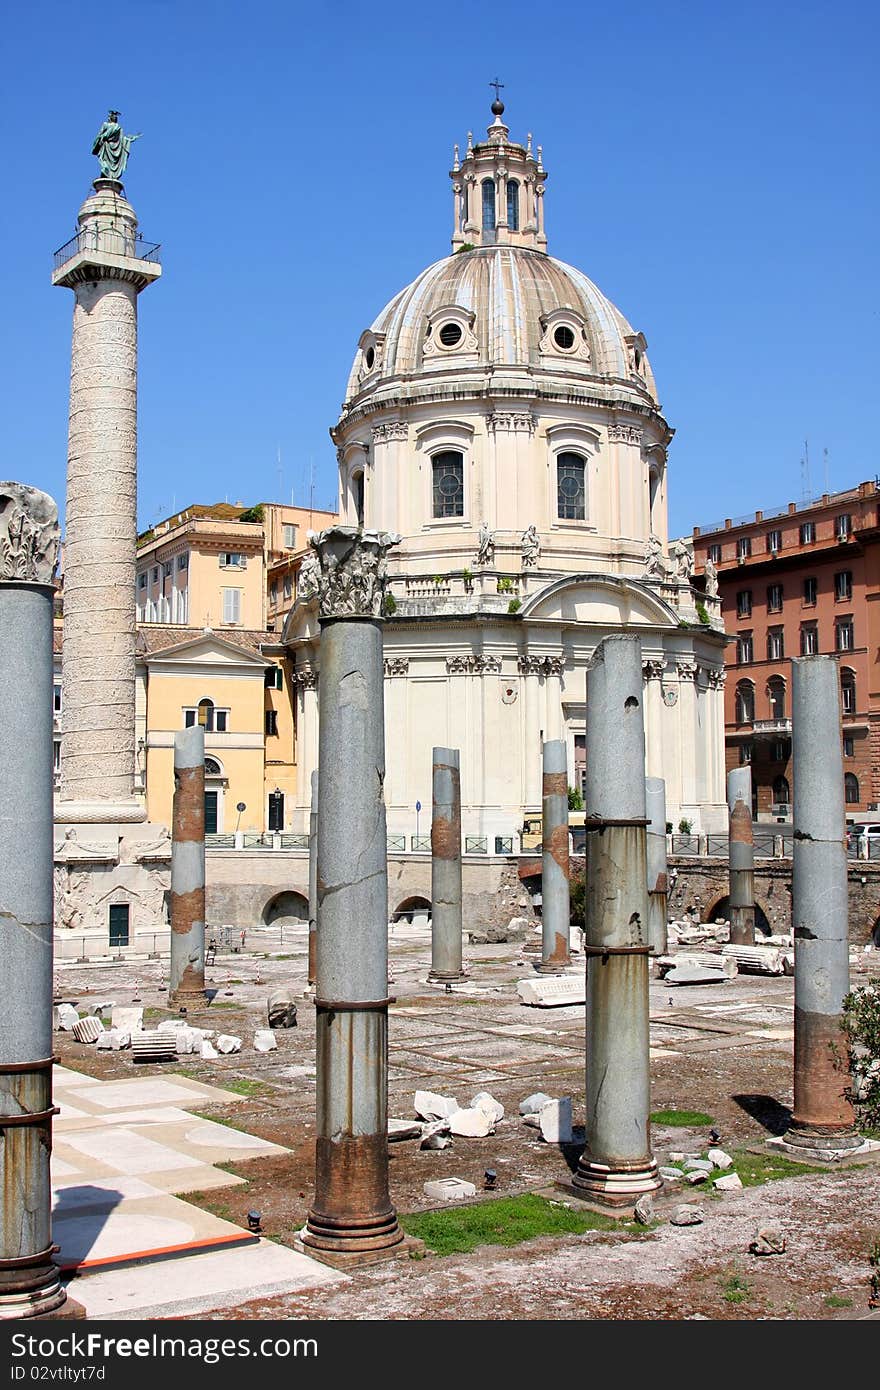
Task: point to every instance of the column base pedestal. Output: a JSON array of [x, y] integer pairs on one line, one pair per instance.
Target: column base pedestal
[[820, 1141], [351, 1242], [615, 1187], [553, 967], [46, 1300], [442, 976], [405, 1248]]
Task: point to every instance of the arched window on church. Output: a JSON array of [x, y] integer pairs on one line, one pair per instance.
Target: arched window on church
[[206, 715], [513, 205], [357, 496], [571, 488], [488, 187], [447, 479]]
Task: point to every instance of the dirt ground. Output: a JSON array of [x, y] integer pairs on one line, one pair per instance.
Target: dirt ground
[[725, 1050]]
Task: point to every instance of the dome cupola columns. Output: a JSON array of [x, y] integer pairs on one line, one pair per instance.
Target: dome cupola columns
[[498, 191]]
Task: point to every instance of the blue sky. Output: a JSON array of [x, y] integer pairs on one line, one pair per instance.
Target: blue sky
[[713, 168]]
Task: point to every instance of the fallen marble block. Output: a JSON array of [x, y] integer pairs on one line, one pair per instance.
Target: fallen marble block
[[113, 1040], [695, 975], [706, 960], [67, 1017], [88, 1029], [208, 1051], [532, 1104], [759, 960], [265, 1040], [552, 991], [471, 1124], [719, 1158], [433, 1107], [671, 1174], [227, 1043], [493, 1108], [436, 1141], [555, 1121], [767, 1240], [731, 1182], [403, 1129], [153, 1047], [686, 1215], [280, 1009], [449, 1189], [697, 1175], [171, 1025], [128, 1018], [99, 1010], [698, 1165], [187, 1041]]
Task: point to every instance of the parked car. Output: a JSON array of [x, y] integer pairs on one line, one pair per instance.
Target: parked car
[[862, 839]]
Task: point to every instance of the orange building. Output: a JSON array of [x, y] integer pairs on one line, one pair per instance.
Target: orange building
[[796, 581]]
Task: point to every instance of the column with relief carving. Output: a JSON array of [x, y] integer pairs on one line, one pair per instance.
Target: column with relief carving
[[352, 1218]]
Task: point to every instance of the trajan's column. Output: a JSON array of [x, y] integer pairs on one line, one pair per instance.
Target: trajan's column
[[106, 265]]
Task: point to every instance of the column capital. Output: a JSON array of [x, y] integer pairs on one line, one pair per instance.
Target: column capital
[[29, 534], [348, 575]]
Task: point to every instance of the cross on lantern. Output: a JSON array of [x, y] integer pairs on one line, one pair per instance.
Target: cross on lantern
[[496, 84]]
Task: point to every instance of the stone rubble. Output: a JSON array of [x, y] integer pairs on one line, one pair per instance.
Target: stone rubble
[[555, 1121], [534, 1103], [471, 1124], [731, 1182], [113, 1040], [686, 1215], [493, 1108], [88, 1029], [719, 1159], [280, 1009], [130, 1019], [431, 1106], [767, 1240], [265, 1040], [226, 1043], [449, 1189], [66, 1017]]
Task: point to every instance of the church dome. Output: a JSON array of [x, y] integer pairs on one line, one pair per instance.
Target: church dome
[[501, 307]]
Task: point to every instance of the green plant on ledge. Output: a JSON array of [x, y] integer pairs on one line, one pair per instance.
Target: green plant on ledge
[[468, 577], [439, 579], [685, 826], [505, 584], [702, 613], [575, 799], [389, 605], [253, 513], [514, 606], [465, 246]]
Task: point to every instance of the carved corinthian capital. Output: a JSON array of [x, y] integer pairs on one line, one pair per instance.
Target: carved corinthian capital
[[29, 534], [351, 571]]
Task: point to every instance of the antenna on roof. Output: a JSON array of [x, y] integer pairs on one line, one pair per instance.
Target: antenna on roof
[[311, 483], [806, 485], [280, 476], [825, 462]]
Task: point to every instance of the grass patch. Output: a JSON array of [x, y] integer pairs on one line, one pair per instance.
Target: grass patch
[[834, 1300], [685, 1119], [218, 1120], [735, 1290], [755, 1169], [244, 1086], [208, 1203], [224, 1004], [506, 1221]]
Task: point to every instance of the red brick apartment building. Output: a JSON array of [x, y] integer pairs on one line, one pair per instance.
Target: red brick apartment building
[[793, 582]]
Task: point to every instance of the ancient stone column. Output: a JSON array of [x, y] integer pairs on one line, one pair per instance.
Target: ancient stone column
[[103, 267], [822, 1120], [617, 1165], [352, 1217], [187, 971], [313, 877], [446, 925], [658, 885], [29, 1281], [741, 852], [555, 891]]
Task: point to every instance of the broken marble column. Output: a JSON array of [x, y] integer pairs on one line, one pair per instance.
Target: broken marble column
[[741, 842], [446, 865], [617, 1165], [658, 883], [555, 889], [822, 1118], [313, 877], [351, 1217], [29, 1281], [187, 969]]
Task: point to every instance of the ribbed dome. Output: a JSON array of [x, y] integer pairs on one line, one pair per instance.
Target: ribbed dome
[[507, 293]]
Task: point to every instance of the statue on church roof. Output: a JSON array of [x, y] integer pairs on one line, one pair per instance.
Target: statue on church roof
[[113, 146], [485, 544], [531, 547]]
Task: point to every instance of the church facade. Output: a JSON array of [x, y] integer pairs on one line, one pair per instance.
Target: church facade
[[502, 417]]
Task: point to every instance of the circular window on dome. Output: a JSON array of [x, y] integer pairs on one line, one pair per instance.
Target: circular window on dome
[[450, 335], [563, 337], [369, 358]]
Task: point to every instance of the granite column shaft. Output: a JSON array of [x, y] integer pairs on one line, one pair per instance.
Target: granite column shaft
[[741, 851], [187, 968], [446, 922], [555, 888], [658, 882], [313, 877]]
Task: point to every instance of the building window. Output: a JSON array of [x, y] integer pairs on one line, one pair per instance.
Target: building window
[[276, 810], [776, 644], [488, 187], [513, 205], [287, 585], [851, 789], [745, 753], [810, 590], [809, 639], [564, 338], [231, 605], [744, 547], [119, 924], [848, 691], [166, 569], [56, 755], [744, 603], [715, 554], [774, 598], [183, 561], [844, 635], [744, 703], [744, 650], [774, 541], [142, 580], [274, 678], [779, 751], [155, 574], [273, 591], [843, 585], [849, 746], [289, 536], [843, 526], [232, 560], [56, 698], [212, 720], [781, 791], [807, 532], [571, 493], [448, 484], [776, 693], [272, 722], [357, 492]]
